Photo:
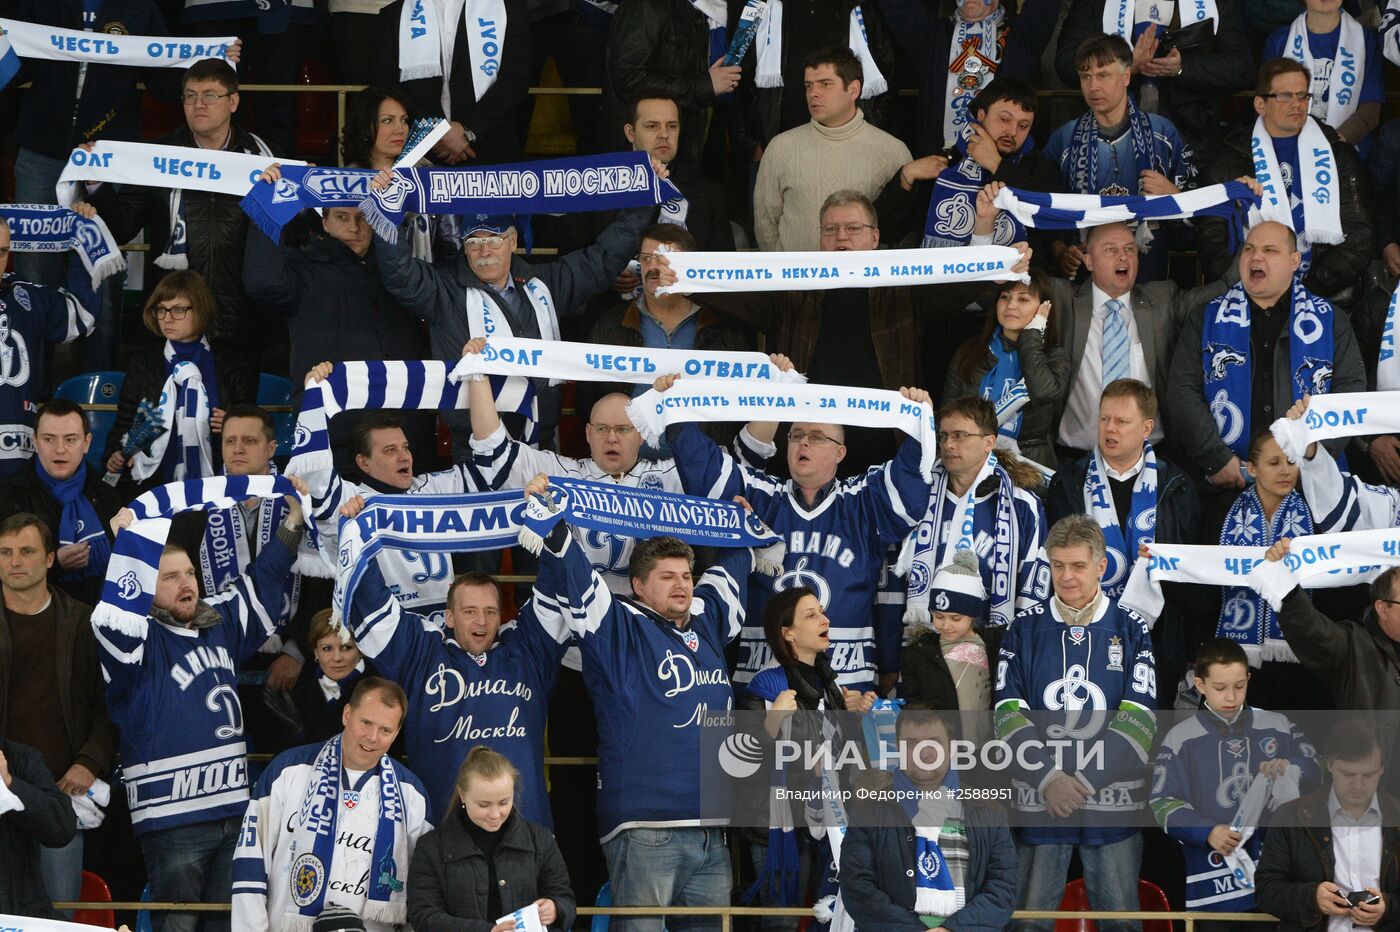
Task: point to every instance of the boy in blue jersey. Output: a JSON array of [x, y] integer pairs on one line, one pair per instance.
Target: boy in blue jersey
[[655, 666], [350, 847], [172, 691], [1206, 766], [1079, 653], [476, 683], [837, 534]]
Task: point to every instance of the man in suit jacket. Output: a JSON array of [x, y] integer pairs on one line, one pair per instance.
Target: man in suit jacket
[[1151, 314]]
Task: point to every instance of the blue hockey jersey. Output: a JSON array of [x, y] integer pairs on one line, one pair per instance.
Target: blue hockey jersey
[[836, 548], [1049, 666], [30, 316], [653, 684], [173, 693], [456, 700], [1204, 768]]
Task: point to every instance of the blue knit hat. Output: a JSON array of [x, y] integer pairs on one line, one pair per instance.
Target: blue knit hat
[[957, 587]]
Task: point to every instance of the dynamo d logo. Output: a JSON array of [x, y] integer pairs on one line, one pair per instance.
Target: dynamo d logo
[[740, 755]]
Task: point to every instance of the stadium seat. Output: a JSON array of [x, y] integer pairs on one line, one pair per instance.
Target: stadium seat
[[600, 923], [143, 916], [1150, 899], [275, 396], [97, 392], [95, 890]]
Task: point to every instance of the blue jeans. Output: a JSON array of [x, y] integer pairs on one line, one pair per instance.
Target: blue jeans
[[191, 864], [1110, 876], [668, 867], [62, 870]]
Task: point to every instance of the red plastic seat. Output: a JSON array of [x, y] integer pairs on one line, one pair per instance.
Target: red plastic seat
[[1150, 899], [95, 890]]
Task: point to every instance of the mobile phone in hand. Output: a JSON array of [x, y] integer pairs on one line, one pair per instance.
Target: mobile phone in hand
[[1362, 897]]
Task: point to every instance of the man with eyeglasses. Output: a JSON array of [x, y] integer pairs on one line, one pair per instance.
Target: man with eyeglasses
[[1331, 266], [210, 228], [837, 533], [58, 486], [528, 300], [30, 316]]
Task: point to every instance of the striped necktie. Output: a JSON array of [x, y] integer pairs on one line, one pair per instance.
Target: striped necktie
[[1116, 364]]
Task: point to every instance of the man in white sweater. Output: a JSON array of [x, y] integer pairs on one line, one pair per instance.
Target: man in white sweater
[[836, 151]]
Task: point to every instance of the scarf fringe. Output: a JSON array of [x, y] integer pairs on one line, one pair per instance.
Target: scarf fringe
[[106, 267], [418, 72], [261, 219], [386, 228], [769, 560], [173, 261], [1278, 651], [108, 616], [928, 902]]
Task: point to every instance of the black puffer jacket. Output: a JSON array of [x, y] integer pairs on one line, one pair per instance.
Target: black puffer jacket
[[145, 375], [923, 670], [661, 46], [1335, 268], [216, 229], [448, 882], [336, 305]]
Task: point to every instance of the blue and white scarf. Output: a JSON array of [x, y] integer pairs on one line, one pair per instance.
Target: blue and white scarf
[[53, 229], [78, 521], [400, 385], [224, 553], [1120, 17], [612, 181], [314, 832], [178, 168], [1084, 149], [952, 208], [1388, 362], [130, 584], [768, 68], [1317, 216], [749, 19], [1227, 364], [428, 39], [272, 206], [184, 412], [1350, 414], [469, 522], [934, 891], [9, 61], [702, 401], [701, 272], [974, 53], [1005, 387], [1122, 543], [1246, 616], [1335, 84], [927, 549], [1044, 211], [54, 43]]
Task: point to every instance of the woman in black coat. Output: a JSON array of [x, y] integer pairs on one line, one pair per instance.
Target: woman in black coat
[[181, 311], [485, 861], [796, 629]]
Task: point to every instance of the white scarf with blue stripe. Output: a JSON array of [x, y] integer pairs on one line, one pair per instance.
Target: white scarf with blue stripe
[[1043, 211], [1122, 543], [768, 71]]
